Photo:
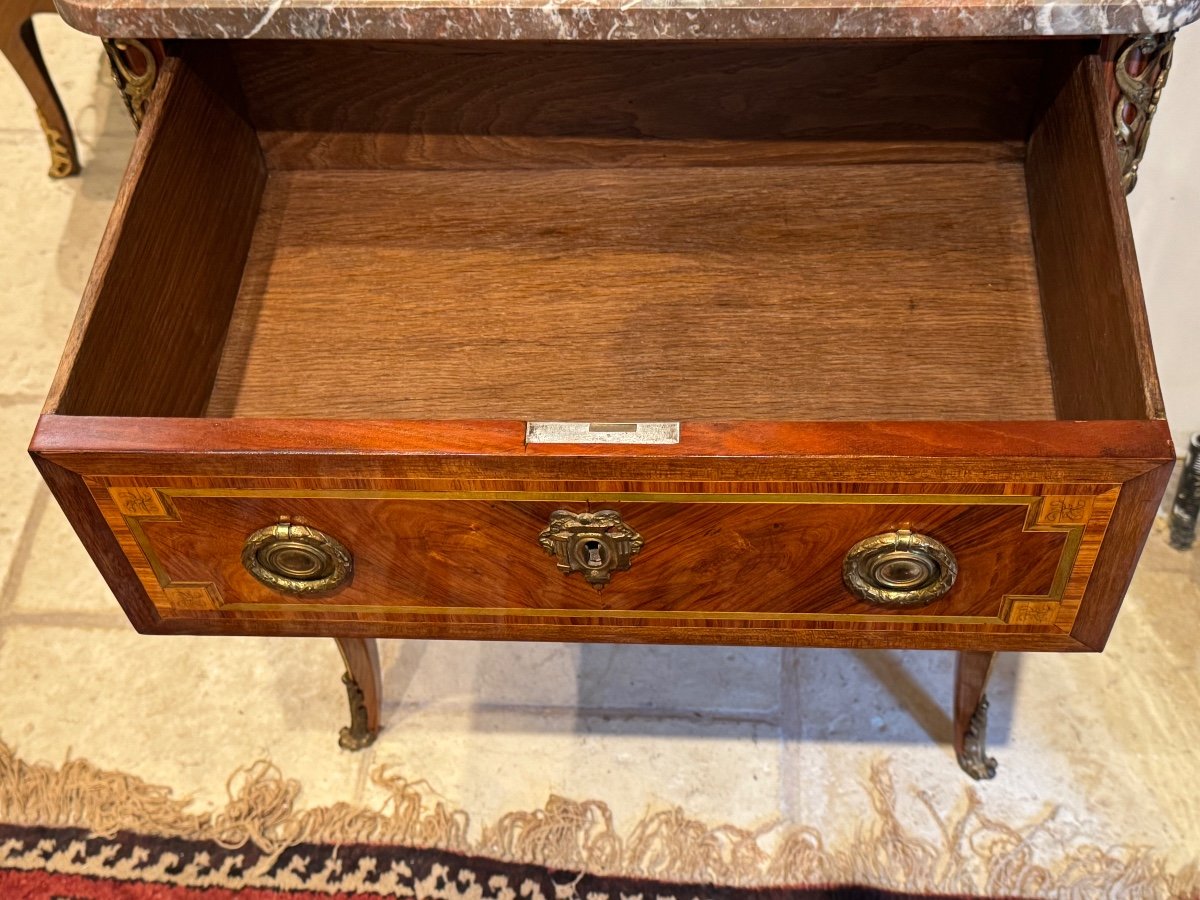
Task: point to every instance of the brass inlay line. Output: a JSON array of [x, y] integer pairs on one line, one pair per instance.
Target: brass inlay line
[[1066, 563], [601, 613], [607, 497]]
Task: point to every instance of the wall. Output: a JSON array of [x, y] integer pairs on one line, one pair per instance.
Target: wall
[[1165, 207]]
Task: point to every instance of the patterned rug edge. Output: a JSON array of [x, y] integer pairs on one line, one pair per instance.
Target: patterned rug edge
[[78, 820], [56, 861]]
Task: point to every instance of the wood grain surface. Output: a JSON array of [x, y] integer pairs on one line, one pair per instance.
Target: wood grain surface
[[310, 459], [831, 292], [699, 558], [766, 563], [1118, 556], [714, 453], [533, 105], [148, 334], [99, 538], [1096, 327]]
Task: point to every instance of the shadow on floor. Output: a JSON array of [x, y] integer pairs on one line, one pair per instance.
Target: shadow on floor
[[860, 696]]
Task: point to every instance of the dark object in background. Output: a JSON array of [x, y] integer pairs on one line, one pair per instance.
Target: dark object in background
[[1187, 499]]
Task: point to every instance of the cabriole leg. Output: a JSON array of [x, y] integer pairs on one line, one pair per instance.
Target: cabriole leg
[[20, 47], [970, 714], [364, 690]]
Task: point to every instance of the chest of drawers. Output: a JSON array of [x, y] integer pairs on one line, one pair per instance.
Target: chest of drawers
[[798, 342]]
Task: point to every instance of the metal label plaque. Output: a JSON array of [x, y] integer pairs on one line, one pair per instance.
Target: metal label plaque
[[602, 433]]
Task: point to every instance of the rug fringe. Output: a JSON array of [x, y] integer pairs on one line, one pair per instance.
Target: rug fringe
[[973, 853]]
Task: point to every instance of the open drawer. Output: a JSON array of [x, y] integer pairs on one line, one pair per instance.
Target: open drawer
[[880, 298]]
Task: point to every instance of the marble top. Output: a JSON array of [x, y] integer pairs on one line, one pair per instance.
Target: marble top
[[620, 19]]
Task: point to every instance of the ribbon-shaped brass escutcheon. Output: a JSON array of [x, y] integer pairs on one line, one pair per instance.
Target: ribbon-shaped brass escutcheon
[[595, 544], [899, 569], [297, 559]]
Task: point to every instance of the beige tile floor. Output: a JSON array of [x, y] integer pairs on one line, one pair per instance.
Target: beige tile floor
[[744, 736]]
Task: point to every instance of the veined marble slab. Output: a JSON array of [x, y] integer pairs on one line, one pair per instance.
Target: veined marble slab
[[620, 19]]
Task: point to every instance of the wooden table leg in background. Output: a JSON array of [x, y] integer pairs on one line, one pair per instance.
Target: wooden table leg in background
[[970, 714], [364, 690], [20, 47]]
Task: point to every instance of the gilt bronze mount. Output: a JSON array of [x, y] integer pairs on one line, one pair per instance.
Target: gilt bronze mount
[[63, 161], [358, 733], [1141, 69], [973, 757], [595, 544], [899, 569], [135, 71], [297, 559]]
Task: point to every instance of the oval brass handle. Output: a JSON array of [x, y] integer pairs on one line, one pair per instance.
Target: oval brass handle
[[899, 569], [297, 559], [595, 544]]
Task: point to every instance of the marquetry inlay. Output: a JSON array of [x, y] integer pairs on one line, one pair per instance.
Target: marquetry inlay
[[1080, 517]]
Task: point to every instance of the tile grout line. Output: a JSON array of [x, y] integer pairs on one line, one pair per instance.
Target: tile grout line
[[24, 548], [764, 719], [85, 621], [362, 776], [790, 721], [20, 398]]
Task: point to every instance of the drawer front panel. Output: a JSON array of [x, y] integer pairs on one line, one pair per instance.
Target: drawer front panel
[[1023, 559]]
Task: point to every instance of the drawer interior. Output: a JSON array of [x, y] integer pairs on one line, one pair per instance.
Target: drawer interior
[[857, 231]]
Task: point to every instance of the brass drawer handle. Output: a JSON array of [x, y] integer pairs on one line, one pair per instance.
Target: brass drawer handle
[[296, 559], [899, 569], [595, 544]]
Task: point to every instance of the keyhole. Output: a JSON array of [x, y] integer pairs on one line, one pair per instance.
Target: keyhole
[[594, 555]]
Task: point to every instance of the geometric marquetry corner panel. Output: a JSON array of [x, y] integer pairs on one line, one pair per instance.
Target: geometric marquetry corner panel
[[1083, 519], [136, 505]]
